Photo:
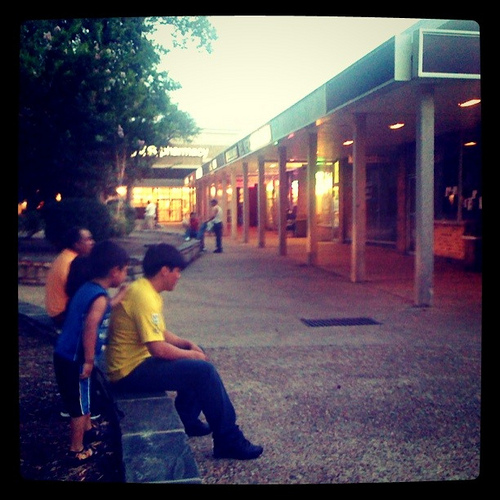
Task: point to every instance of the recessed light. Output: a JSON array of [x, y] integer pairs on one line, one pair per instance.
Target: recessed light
[[470, 102], [396, 126], [470, 143], [348, 143]]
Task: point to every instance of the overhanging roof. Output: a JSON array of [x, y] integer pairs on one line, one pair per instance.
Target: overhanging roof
[[384, 85]]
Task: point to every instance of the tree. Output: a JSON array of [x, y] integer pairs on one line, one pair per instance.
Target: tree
[[91, 96]]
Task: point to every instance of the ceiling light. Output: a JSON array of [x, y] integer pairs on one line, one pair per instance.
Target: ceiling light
[[470, 143], [470, 102], [348, 143], [395, 126]]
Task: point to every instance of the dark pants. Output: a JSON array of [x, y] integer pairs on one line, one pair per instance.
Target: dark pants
[[201, 235], [218, 235], [199, 388]]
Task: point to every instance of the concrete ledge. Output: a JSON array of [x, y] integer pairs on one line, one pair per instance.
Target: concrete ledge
[[155, 448], [190, 250], [36, 317], [32, 271]]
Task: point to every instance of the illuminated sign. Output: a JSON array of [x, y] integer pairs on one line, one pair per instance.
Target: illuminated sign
[[260, 137], [173, 151], [231, 154]]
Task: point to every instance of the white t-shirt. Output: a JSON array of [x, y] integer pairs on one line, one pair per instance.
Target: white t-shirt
[[150, 210], [218, 214]]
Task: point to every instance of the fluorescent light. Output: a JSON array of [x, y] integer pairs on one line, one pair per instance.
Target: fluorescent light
[[395, 126], [470, 102]]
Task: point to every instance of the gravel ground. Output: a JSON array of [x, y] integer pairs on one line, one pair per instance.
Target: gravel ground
[[397, 403], [344, 415]]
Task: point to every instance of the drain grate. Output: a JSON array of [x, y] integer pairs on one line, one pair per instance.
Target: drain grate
[[339, 322]]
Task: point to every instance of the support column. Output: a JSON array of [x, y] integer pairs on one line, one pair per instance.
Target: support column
[[424, 251], [359, 200], [234, 205], [261, 203], [246, 204], [225, 225], [312, 227], [282, 200], [206, 198]]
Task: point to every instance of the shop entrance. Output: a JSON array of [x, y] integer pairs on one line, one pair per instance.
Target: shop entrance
[[170, 210]]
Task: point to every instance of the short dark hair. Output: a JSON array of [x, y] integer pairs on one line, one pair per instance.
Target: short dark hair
[[161, 255], [71, 237], [104, 256]]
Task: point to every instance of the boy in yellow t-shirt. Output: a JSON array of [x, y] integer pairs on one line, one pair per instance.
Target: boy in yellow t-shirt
[[143, 356]]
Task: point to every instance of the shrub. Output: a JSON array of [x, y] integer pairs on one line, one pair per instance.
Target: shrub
[[122, 218], [29, 223], [84, 212]]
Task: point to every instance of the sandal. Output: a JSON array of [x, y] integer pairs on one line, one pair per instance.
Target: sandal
[[76, 458]]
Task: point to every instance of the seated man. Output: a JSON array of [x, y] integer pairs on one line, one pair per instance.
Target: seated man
[[143, 356]]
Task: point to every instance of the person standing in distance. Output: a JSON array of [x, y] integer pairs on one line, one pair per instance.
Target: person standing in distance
[[150, 215], [216, 218]]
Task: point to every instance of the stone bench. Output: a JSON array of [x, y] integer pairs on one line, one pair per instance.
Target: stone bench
[[155, 447]]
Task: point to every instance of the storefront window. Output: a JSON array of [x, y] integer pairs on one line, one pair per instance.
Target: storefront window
[[324, 205], [172, 202]]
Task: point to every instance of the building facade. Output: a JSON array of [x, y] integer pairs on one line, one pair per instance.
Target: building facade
[[166, 185], [387, 152]]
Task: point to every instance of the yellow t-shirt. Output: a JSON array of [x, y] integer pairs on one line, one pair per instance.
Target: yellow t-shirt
[[137, 319], [56, 299]]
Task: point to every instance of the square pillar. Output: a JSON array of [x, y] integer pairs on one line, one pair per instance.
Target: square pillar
[[312, 228], [246, 204], [234, 205], [261, 203], [282, 200], [424, 249], [225, 225], [358, 245]]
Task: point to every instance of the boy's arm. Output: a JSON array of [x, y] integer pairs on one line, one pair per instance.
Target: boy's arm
[[92, 322], [179, 342], [165, 350], [118, 297]]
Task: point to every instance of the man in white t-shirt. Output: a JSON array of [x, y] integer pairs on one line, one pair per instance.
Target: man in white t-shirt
[[150, 215], [216, 218]]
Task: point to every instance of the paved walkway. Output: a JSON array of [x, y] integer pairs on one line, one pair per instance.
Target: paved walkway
[[407, 387]]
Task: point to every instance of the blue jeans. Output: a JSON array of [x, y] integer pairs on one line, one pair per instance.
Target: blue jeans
[[199, 388], [218, 235], [201, 235]]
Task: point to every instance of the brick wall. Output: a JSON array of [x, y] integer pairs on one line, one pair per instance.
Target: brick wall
[[448, 241]]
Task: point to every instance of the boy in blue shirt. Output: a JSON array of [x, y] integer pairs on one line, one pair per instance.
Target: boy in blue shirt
[[84, 334]]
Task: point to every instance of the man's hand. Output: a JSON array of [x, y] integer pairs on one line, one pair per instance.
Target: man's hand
[[166, 350]]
